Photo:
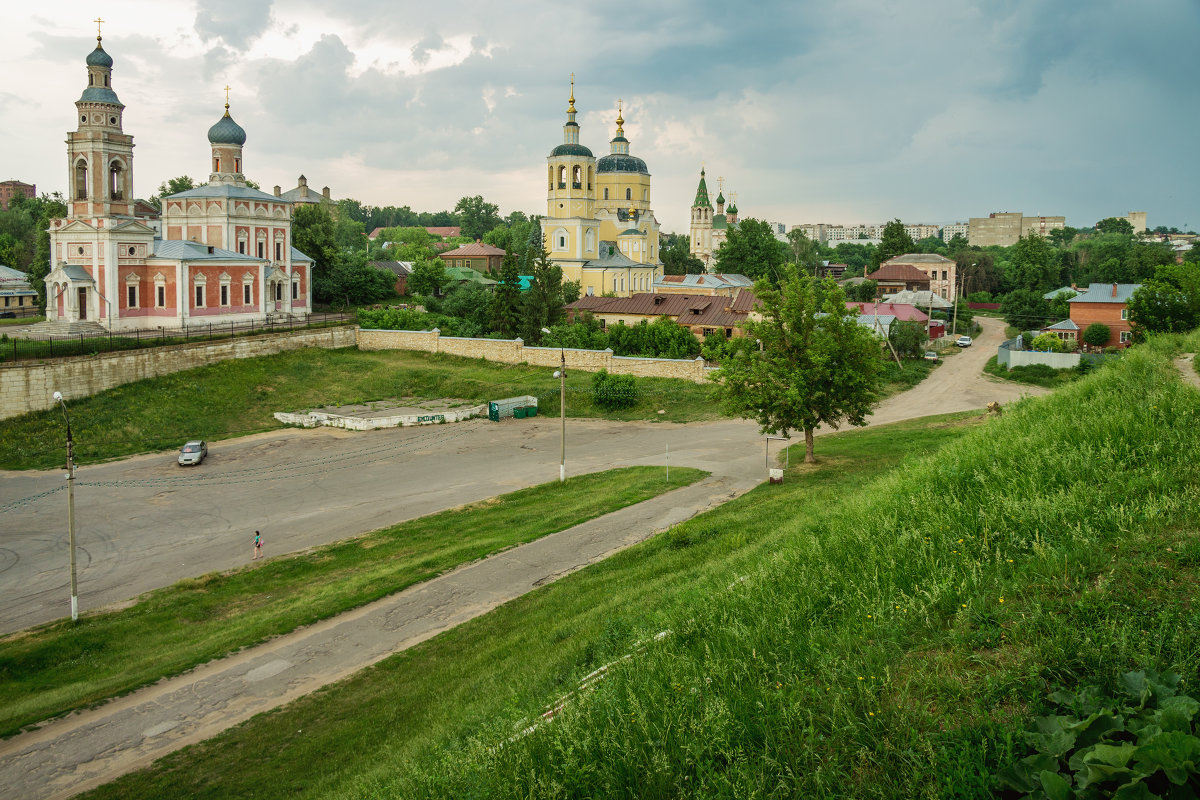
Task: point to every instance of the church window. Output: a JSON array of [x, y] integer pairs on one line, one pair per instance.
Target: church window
[[216, 164], [116, 184], [242, 246], [606, 194], [590, 173], [261, 245], [246, 294], [91, 80], [224, 294], [295, 289], [81, 180], [562, 242], [132, 251], [83, 117], [577, 178], [278, 291], [562, 177], [131, 296], [237, 165], [629, 194], [106, 80], [160, 296], [279, 251], [199, 296]]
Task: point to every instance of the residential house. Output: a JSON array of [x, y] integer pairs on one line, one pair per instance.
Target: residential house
[[462, 275], [892, 278], [1066, 330], [925, 299], [903, 312], [1107, 303], [701, 314], [19, 298], [10, 189], [401, 269], [941, 271], [477, 256], [709, 283]]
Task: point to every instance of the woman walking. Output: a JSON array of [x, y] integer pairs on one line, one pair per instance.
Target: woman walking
[[257, 546]]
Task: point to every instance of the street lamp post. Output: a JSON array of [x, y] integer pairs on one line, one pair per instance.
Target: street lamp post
[[562, 410], [70, 508]]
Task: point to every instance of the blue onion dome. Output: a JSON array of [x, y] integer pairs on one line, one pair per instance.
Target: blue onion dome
[[619, 162], [570, 149], [226, 131], [99, 58]]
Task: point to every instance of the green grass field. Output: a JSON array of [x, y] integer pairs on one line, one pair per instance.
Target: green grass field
[[58, 667], [1033, 374], [882, 625], [238, 397]]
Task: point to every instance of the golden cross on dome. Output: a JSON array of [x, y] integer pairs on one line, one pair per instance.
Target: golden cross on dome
[[721, 184], [572, 99], [97, 20], [227, 94], [733, 198]]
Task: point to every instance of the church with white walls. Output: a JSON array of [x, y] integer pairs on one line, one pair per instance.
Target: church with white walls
[[220, 253]]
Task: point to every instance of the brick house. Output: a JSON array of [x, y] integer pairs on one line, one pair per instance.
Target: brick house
[[899, 277], [941, 271], [10, 189], [477, 256], [1107, 303]]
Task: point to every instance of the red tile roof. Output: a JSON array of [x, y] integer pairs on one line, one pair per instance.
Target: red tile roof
[[899, 272], [476, 249], [704, 310]]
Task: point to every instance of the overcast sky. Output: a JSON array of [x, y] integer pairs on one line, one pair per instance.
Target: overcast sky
[[855, 111]]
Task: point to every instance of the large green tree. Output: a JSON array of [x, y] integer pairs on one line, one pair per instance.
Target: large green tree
[[817, 365], [427, 277], [353, 281], [476, 216], [1167, 303], [894, 241], [677, 257], [1115, 225], [1034, 264], [544, 300], [751, 249], [805, 253], [172, 186], [506, 304], [1025, 309]]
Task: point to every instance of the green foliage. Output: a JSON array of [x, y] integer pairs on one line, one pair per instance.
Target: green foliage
[[817, 366], [470, 302], [543, 302], [1048, 343], [1025, 309], [894, 241], [663, 338], [677, 258], [614, 392], [406, 319], [1115, 225], [717, 348], [428, 276], [804, 251], [979, 297], [24, 237], [1167, 303], [170, 187], [352, 281], [506, 303], [856, 257], [862, 292], [1038, 374], [1142, 743], [751, 249], [908, 338], [476, 216], [1033, 265], [1097, 334]]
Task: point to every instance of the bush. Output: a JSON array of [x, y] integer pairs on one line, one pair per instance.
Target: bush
[[979, 297], [1048, 343], [1097, 334], [614, 392]]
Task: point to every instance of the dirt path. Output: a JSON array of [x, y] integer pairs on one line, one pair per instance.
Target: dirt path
[[88, 748], [1186, 364]]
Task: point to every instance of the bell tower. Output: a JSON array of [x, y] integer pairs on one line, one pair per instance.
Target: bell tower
[[99, 152], [572, 230], [702, 222], [227, 139]]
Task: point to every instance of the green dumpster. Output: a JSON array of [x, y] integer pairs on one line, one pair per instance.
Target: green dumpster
[[519, 412]]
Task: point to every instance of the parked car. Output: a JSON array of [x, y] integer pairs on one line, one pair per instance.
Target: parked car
[[931, 355], [193, 453], [8, 315], [963, 341]]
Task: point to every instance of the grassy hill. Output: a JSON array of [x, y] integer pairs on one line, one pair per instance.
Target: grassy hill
[[882, 625]]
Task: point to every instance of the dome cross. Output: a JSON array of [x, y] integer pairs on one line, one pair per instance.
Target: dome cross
[[97, 20]]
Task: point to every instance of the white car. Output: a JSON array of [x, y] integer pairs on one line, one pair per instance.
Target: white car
[[193, 453], [963, 341]]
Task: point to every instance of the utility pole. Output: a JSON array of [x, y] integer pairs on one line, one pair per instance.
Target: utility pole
[[70, 508]]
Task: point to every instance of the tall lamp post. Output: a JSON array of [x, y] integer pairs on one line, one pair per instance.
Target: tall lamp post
[[562, 410], [70, 507]]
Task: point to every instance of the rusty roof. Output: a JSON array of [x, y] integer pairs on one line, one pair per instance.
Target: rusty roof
[[899, 272], [475, 249]]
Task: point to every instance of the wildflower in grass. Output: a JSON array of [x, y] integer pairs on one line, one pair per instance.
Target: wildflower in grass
[[964, 605], [1001, 599], [872, 713], [860, 677]]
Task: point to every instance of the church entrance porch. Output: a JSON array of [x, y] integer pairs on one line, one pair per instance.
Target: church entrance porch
[[83, 296]]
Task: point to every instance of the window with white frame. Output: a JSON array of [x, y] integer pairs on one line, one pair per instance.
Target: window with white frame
[[1124, 315], [200, 282], [131, 291], [226, 281], [295, 288], [1126, 337], [246, 294]]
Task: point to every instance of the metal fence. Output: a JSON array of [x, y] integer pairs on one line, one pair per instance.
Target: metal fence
[[81, 344]]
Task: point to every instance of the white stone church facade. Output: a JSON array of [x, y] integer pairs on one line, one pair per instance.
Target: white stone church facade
[[225, 253]]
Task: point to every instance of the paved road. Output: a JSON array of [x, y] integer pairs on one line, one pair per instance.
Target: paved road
[[145, 522], [91, 747]]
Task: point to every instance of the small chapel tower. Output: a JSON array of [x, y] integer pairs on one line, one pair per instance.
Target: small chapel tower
[[702, 223], [227, 139]]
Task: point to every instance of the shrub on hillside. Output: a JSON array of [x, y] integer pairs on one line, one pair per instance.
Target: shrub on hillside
[[613, 392], [1048, 343]]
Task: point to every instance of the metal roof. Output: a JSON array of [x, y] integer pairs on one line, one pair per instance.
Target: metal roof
[[898, 271], [1106, 293], [196, 251], [226, 190], [1065, 325]]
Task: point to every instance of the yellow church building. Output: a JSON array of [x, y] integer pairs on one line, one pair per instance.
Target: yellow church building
[[599, 226]]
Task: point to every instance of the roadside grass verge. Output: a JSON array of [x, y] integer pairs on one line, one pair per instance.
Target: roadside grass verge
[[58, 667], [502, 668], [905, 375], [834, 636], [1033, 374], [239, 396]]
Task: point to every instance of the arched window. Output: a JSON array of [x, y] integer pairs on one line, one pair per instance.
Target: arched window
[[550, 177], [91, 80], [237, 165], [562, 177], [81, 180], [216, 163], [577, 177], [606, 194], [629, 194], [116, 183]]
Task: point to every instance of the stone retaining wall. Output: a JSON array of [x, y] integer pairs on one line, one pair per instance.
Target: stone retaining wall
[[313, 419], [514, 351], [26, 387]]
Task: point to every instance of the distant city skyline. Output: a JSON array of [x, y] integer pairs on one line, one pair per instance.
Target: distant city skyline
[[933, 112]]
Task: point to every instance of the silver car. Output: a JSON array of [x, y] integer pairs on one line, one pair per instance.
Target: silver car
[[193, 453]]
